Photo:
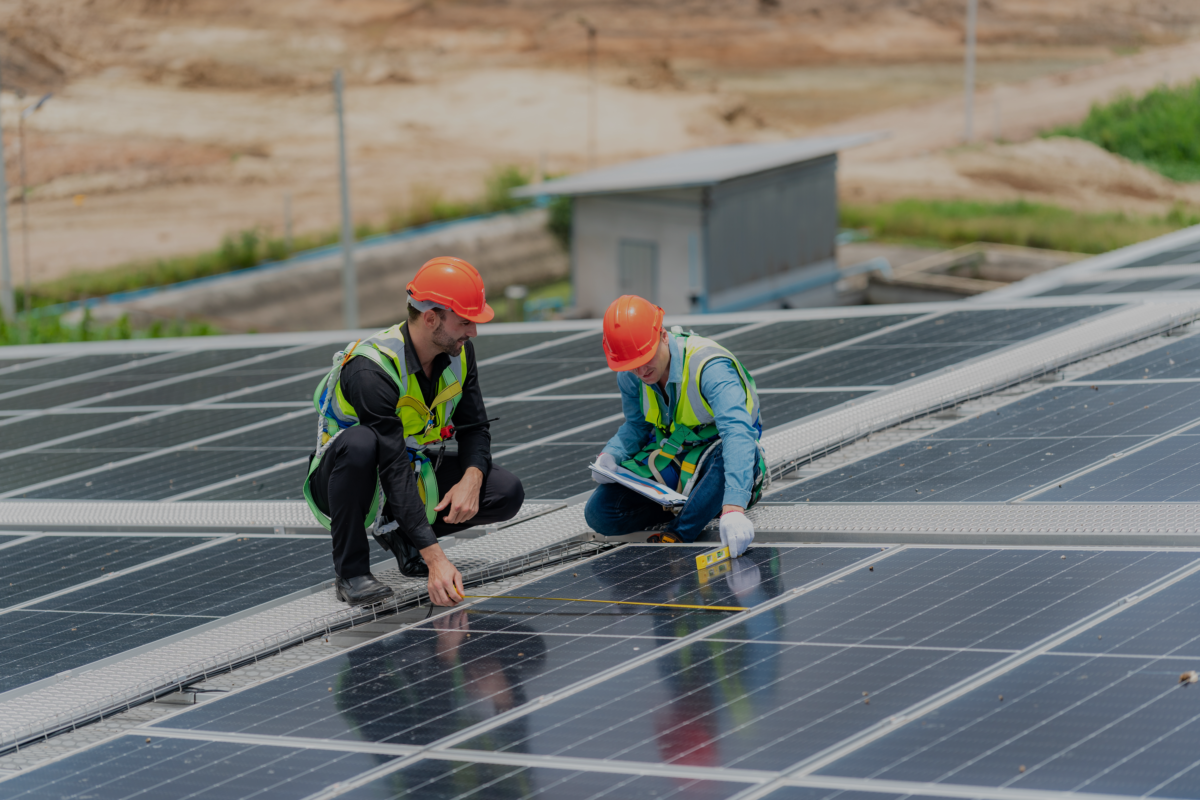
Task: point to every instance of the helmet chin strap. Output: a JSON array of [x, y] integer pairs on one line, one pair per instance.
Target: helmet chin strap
[[423, 305]]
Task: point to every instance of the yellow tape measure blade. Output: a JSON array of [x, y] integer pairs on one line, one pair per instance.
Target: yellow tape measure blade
[[712, 557]]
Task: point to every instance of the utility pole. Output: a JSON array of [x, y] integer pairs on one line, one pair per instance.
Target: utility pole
[[349, 278], [592, 88], [287, 222], [25, 196], [7, 304], [969, 74]]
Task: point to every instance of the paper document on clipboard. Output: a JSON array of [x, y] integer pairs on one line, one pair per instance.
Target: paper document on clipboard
[[643, 486]]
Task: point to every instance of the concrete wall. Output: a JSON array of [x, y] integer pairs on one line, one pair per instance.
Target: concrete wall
[[669, 219], [506, 249], [771, 230]]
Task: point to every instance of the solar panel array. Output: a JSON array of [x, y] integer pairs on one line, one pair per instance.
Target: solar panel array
[[855, 669], [1165, 265], [1029, 668], [1125, 433], [71, 600]]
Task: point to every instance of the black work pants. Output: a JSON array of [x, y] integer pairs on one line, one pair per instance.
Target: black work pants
[[343, 486]]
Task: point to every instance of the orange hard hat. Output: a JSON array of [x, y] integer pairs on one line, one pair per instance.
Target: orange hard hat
[[454, 284], [631, 332]]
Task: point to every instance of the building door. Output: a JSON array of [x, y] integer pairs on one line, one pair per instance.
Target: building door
[[637, 268]]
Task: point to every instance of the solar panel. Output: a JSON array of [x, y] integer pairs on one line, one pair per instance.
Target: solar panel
[[1002, 455], [555, 698], [140, 373], [85, 623], [458, 780], [509, 651], [1068, 723], [179, 768], [50, 563], [1174, 283], [1187, 254]]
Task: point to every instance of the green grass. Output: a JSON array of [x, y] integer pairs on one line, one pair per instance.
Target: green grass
[[47, 329], [957, 222], [252, 247], [1160, 129]]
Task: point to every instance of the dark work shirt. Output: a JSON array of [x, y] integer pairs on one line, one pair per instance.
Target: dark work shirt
[[374, 396]]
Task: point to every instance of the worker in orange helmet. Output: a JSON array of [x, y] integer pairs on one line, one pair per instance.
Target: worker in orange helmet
[[386, 409], [692, 423]]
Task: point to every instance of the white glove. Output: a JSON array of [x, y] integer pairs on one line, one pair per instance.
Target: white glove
[[609, 463], [737, 532]]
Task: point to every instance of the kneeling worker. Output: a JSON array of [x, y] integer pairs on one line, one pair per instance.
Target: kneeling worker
[[385, 406], [691, 423]]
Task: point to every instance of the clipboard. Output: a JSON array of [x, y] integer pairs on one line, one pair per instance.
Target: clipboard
[[660, 494]]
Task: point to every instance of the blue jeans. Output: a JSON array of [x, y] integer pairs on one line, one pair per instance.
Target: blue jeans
[[613, 510]]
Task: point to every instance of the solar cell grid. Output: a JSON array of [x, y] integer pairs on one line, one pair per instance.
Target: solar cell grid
[[868, 366], [525, 421], [292, 390], [555, 471], [490, 345], [58, 463], [197, 389], [737, 704], [991, 599], [1164, 472], [67, 368], [189, 770], [165, 476], [1001, 455], [127, 381], [219, 580], [283, 484], [420, 685], [781, 409], [1167, 623], [794, 700], [1186, 254], [762, 346], [1103, 725], [989, 326], [432, 779], [35, 430], [1178, 358], [812, 793], [41, 644], [51, 563]]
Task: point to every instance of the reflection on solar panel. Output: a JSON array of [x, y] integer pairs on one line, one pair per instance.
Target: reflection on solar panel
[[869, 667]]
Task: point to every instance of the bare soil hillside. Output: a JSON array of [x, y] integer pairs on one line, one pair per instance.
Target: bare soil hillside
[[174, 122]]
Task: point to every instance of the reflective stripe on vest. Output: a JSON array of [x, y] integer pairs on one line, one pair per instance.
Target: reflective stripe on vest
[[422, 424], [692, 410]]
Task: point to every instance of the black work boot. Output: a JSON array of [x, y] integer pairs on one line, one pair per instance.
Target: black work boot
[[362, 590], [408, 558]]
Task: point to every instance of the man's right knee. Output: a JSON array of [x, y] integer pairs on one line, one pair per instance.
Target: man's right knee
[[598, 513], [357, 445]]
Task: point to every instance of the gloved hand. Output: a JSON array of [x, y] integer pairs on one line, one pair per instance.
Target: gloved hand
[[609, 463], [737, 532]]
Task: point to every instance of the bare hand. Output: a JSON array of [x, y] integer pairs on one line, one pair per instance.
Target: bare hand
[[463, 497], [445, 582]]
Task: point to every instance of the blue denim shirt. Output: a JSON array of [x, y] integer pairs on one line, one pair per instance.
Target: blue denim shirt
[[722, 388]]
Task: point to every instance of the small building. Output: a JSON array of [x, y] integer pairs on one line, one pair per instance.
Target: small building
[[716, 229]]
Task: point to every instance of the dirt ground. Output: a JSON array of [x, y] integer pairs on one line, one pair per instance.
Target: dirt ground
[[175, 122]]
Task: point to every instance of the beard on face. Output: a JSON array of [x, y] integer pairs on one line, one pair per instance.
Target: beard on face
[[445, 342]]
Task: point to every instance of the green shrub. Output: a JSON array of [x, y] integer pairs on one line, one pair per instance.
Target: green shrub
[[1160, 129], [51, 329], [956, 222]]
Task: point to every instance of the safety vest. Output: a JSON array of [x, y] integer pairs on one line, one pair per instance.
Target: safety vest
[[423, 425], [680, 445]]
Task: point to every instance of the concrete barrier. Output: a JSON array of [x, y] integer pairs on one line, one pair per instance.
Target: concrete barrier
[[305, 293]]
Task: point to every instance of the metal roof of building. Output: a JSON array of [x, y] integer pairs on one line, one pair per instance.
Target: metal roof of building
[[703, 167]]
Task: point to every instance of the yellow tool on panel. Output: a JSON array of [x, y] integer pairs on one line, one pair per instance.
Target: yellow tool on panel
[[712, 557]]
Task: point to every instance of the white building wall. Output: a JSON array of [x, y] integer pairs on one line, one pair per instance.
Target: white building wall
[[669, 219]]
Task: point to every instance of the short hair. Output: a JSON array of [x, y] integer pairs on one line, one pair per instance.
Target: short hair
[[414, 313]]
